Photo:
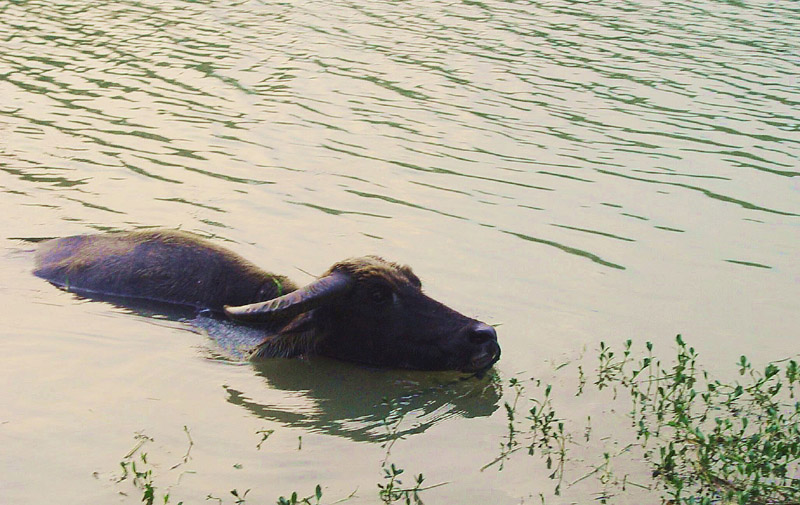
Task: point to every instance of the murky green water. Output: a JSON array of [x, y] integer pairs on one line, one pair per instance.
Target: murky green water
[[572, 171]]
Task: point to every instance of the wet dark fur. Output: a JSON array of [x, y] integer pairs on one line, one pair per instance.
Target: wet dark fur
[[165, 265]]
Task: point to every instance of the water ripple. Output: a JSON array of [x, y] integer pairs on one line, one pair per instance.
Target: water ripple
[[481, 111]]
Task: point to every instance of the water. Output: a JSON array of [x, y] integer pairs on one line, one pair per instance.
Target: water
[[570, 171]]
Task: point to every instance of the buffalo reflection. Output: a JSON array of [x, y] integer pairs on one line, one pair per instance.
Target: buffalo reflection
[[364, 404], [352, 401]]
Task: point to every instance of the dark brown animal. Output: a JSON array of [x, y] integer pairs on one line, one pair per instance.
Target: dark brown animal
[[367, 310]]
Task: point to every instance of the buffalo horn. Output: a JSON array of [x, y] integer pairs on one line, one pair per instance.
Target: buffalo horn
[[294, 303]]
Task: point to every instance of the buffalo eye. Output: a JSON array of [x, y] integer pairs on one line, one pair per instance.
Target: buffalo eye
[[380, 295]]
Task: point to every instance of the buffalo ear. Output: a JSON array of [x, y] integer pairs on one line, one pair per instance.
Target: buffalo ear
[[299, 337], [300, 324], [307, 298]]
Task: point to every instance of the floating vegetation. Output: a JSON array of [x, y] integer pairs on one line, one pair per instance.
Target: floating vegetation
[[142, 475], [392, 490]]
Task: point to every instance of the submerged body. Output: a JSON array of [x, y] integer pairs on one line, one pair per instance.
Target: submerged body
[[365, 310], [166, 266]]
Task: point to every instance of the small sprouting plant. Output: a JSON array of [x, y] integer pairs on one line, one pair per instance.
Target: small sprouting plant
[[265, 434], [143, 472], [540, 432], [187, 456], [392, 491], [295, 500], [239, 497]]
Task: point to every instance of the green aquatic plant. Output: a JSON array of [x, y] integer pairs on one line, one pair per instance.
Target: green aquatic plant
[[392, 490], [716, 441], [295, 500], [239, 497], [707, 441], [142, 474], [540, 432], [265, 434], [187, 456]]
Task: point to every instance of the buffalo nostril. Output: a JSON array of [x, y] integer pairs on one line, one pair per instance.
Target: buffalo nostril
[[481, 333]]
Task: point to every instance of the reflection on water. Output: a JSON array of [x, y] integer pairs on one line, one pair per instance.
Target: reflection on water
[[367, 405], [348, 400]]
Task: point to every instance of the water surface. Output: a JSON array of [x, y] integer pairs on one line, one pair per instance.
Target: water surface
[[571, 171]]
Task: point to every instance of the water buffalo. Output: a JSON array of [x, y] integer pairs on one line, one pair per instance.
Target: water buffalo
[[366, 310]]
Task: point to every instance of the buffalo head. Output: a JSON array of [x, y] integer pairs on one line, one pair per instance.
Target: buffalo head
[[373, 311]]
